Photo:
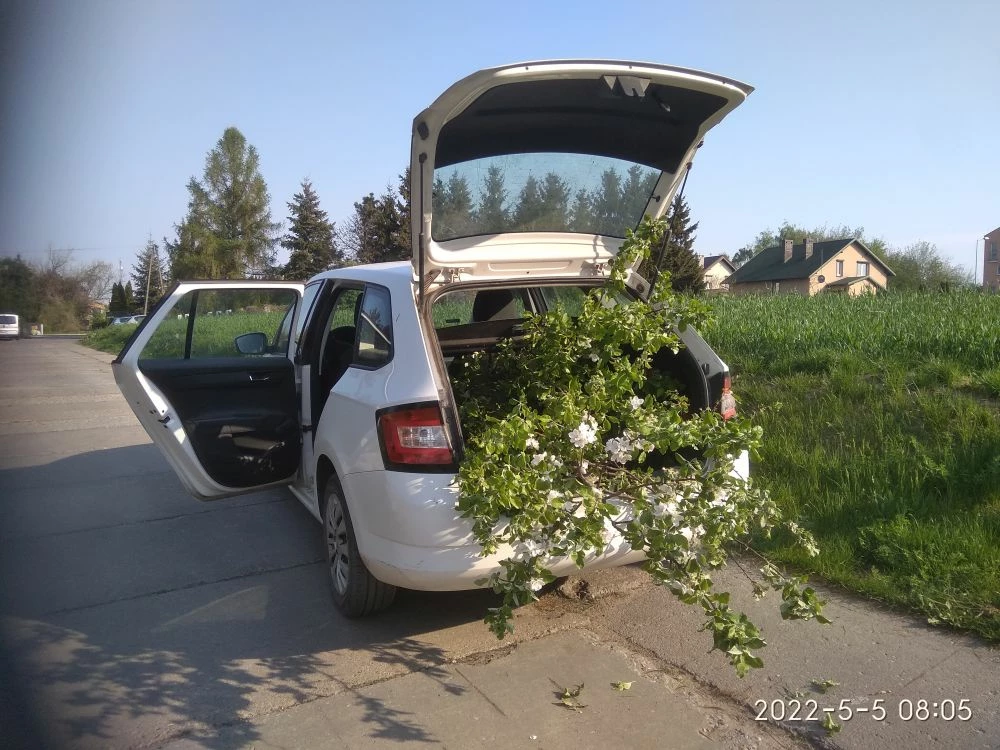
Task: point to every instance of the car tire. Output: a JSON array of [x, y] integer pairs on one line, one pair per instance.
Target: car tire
[[356, 592]]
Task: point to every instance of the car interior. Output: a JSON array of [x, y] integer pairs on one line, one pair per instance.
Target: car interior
[[338, 349]]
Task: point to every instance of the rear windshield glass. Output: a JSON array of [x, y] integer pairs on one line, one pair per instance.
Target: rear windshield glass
[[540, 192], [8, 320]]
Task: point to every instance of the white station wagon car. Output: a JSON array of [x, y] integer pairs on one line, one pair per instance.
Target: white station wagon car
[[339, 388]]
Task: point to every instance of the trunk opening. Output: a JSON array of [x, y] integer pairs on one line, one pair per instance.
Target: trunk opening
[[467, 321]]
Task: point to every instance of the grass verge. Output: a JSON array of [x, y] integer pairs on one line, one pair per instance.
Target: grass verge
[[882, 435], [110, 339]]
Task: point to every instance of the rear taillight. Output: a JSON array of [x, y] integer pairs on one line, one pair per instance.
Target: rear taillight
[[727, 404], [414, 436]]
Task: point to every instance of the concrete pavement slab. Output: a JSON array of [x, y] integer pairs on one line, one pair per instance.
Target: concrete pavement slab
[[873, 654], [46, 574], [137, 672], [68, 505], [510, 701]]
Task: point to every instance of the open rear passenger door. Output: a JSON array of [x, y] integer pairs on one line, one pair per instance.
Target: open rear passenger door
[[210, 378]]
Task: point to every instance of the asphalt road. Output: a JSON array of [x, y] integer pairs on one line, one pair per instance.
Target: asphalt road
[[132, 615]]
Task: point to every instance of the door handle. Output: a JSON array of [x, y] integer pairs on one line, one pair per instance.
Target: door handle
[[259, 377]]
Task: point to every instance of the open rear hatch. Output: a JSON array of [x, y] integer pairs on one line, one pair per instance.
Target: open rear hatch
[[538, 169]]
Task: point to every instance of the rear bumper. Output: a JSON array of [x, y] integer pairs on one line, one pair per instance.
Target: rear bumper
[[458, 568], [410, 535]]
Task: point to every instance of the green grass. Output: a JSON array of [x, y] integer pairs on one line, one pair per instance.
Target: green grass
[[213, 335], [882, 435], [110, 339]]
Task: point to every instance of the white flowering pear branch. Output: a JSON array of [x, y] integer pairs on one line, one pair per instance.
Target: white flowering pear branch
[[576, 445]]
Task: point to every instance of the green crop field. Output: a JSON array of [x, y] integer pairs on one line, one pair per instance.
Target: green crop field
[[882, 435]]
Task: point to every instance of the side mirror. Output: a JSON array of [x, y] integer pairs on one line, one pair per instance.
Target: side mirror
[[251, 343]]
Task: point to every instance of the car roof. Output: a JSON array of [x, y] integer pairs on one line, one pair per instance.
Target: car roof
[[368, 271], [397, 275]]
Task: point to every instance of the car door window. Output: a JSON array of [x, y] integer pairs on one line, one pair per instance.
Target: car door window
[[375, 328], [338, 347], [308, 297], [206, 323]]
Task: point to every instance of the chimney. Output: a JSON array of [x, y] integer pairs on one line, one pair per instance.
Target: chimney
[[788, 250], [809, 247]]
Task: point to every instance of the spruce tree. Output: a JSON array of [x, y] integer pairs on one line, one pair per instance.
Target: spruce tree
[[148, 273], [459, 218], [128, 296], [637, 190], [117, 306], [554, 200], [679, 259], [582, 212], [492, 215], [608, 205], [376, 232], [310, 239], [529, 206]]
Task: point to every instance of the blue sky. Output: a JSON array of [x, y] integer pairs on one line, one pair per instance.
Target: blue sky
[[877, 114]]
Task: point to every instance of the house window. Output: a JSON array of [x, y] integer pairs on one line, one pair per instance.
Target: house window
[[840, 268], [862, 268]]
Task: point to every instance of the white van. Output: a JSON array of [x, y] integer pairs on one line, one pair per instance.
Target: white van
[[10, 326]]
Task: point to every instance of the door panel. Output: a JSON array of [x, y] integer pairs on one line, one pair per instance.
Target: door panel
[[241, 416], [225, 417]]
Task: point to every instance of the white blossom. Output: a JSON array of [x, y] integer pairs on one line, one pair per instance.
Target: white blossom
[[692, 535], [619, 450], [585, 434], [594, 357], [635, 402], [535, 584], [531, 444], [525, 551], [669, 508], [538, 458], [584, 465]]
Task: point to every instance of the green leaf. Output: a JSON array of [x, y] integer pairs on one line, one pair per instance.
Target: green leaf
[[824, 686], [831, 726]]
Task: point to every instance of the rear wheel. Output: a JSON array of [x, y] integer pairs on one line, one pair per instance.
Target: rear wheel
[[356, 592]]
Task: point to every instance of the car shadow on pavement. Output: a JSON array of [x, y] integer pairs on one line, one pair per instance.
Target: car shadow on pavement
[[187, 619]]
